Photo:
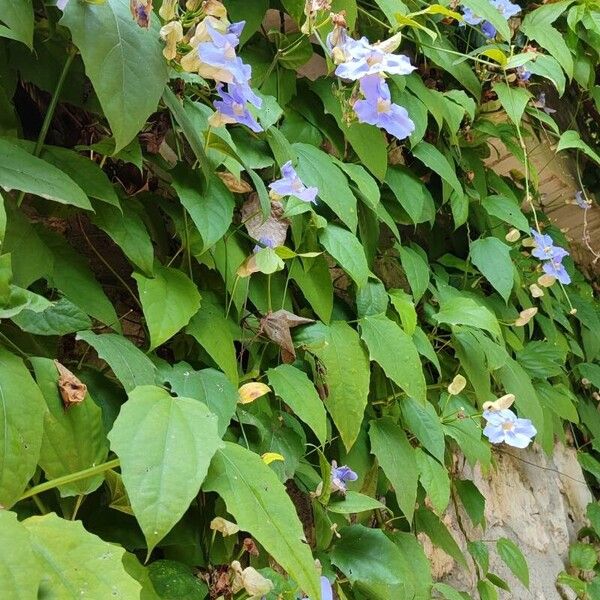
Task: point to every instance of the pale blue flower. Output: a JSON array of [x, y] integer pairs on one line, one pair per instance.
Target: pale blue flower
[[364, 58], [291, 185], [62, 4], [233, 106], [488, 29], [556, 269], [523, 74], [377, 108], [505, 426], [545, 248], [339, 477], [326, 590], [506, 8]]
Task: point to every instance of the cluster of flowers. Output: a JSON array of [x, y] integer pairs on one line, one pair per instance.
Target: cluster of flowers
[[551, 256], [505, 7], [359, 60], [213, 56]]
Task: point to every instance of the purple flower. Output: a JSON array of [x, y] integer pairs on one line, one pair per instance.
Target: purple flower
[[581, 201], [469, 17], [233, 107], [507, 9], [523, 74], [265, 242], [488, 29], [291, 185], [339, 477], [220, 54], [377, 108], [62, 4], [363, 58], [556, 269], [504, 426], [540, 102]]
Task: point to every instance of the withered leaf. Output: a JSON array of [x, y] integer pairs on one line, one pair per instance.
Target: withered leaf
[[72, 390], [233, 184], [273, 229], [141, 11], [276, 326]]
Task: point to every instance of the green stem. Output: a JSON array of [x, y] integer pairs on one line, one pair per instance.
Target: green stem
[[49, 485], [50, 112]]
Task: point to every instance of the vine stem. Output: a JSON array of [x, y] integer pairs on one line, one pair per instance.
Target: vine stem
[[50, 112], [53, 483]]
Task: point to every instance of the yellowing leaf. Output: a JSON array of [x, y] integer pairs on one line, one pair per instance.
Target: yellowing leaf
[[269, 457], [249, 392], [496, 55]]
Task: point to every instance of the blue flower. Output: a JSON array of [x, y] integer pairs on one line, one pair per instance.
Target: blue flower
[[507, 9], [265, 242], [488, 29], [291, 185], [364, 58], [504, 426], [556, 269], [233, 107], [378, 109], [581, 201], [540, 102], [339, 477], [62, 4]]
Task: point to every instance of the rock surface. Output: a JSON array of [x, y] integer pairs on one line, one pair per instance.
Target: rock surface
[[539, 502]]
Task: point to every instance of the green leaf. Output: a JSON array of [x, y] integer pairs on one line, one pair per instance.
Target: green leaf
[[298, 392], [511, 554], [463, 310], [367, 141], [17, 15], [411, 193], [314, 281], [395, 352], [169, 300], [434, 479], [75, 563], [548, 67], [20, 573], [571, 139], [83, 171], [173, 580], [345, 248], [447, 591], [72, 276], [73, 439], [416, 269], [472, 499], [253, 14], [492, 258], [111, 45], [513, 100], [365, 182], [398, 461], [506, 210], [405, 307], [489, 12], [347, 377], [354, 502], [537, 25], [516, 381], [22, 171], [260, 505], [60, 318], [430, 524], [316, 168], [479, 551], [183, 116], [367, 556], [165, 445], [372, 299], [129, 364], [211, 330], [432, 158], [126, 229], [21, 427], [424, 423], [210, 206], [209, 386]]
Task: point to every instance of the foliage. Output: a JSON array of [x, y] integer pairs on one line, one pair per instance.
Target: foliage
[[249, 286]]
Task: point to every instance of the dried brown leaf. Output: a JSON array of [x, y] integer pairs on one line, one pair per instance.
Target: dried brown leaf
[[72, 390], [276, 326]]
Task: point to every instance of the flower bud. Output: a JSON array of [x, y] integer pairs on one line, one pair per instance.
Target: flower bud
[[172, 33], [224, 526], [457, 386], [168, 10], [513, 235], [546, 280], [536, 291], [525, 316]]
